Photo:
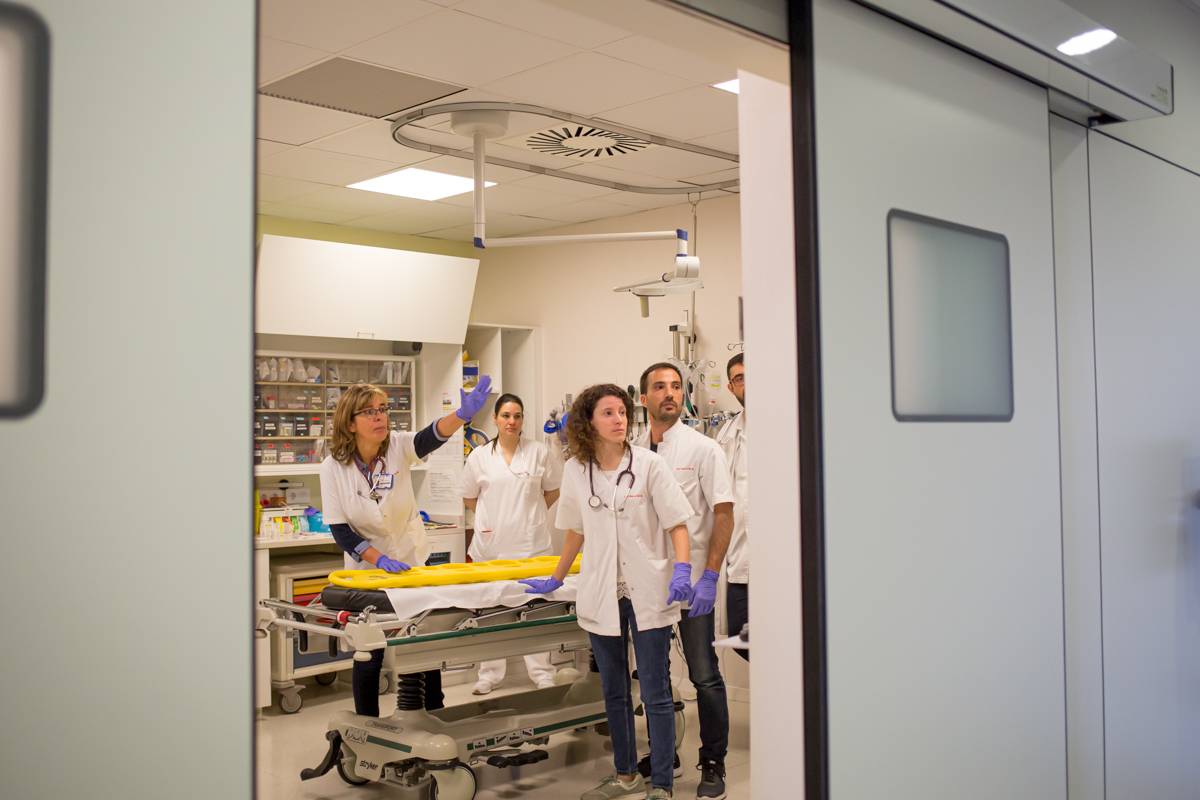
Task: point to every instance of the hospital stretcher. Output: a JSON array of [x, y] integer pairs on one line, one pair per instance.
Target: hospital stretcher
[[424, 628]]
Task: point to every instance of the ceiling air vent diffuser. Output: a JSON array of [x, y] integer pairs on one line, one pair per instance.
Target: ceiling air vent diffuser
[[582, 142]]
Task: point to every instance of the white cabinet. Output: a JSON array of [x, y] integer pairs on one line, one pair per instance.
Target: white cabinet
[[307, 287]]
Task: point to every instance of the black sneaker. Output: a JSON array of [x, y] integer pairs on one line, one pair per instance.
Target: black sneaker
[[644, 767], [712, 780]]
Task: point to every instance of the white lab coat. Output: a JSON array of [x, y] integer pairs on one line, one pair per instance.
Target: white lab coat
[[510, 515], [392, 525], [732, 439], [634, 537], [699, 466]]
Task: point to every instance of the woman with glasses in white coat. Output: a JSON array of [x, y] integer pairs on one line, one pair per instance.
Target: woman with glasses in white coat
[[367, 500], [509, 484], [622, 506]]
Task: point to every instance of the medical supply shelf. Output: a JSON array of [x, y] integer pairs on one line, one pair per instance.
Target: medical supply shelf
[[286, 412]]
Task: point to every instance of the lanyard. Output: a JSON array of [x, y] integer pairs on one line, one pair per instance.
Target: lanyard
[[368, 473]]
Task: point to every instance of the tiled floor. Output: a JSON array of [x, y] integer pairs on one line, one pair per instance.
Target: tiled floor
[[289, 742]]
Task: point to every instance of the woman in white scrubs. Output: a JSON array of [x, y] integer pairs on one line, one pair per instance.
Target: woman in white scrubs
[[623, 507], [509, 484], [367, 500]]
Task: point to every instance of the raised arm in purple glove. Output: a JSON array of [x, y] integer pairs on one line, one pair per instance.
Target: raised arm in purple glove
[[681, 584], [474, 400], [704, 595], [541, 585]]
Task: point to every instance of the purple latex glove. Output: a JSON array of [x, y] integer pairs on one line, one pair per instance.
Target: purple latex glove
[[704, 594], [681, 584], [391, 565], [474, 400], [541, 585]]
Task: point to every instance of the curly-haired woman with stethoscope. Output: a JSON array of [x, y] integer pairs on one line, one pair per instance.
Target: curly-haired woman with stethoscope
[[622, 506]]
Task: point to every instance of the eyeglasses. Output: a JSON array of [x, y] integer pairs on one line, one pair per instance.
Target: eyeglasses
[[373, 412], [738, 380]]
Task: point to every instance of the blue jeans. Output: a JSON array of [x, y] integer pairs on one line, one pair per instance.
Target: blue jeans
[[651, 649], [696, 635]]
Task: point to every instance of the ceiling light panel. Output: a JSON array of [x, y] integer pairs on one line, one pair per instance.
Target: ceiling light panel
[[731, 86], [421, 184]]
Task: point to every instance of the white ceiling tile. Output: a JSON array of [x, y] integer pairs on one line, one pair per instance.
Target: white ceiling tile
[[714, 177], [372, 140], [301, 212], [512, 198], [268, 148], [277, 58], [560, 186], [641, 201], [273, 189], [586, 210], [530, 156], [545, 19], [421, 216], [498, 226], [667, 162], [459, 48], [452, 165], [334, 25], [624, 176], [297, 123], [654, 54], [321, 166], [726, 141], [698, 111], [587, 83]]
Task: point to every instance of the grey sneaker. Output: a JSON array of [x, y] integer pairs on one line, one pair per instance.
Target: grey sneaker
[[611, 788], [712, 780], [656, 793]]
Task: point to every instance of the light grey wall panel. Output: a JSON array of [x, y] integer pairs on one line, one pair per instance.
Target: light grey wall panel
[[1146, 242], [125, 554], [943, 547], [1080, 489]]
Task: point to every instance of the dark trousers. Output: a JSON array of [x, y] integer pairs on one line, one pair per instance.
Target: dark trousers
[[364, 682], [737, 610], [697, 634], [651, 649]]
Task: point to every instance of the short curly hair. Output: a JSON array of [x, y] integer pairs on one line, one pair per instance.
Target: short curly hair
[[581, 436]]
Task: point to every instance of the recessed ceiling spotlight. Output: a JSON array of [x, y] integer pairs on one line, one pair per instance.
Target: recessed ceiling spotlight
[[1086, 42], [421, 184], [728, 86]]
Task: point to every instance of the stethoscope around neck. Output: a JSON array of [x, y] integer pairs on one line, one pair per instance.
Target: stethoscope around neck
[[594, 501]]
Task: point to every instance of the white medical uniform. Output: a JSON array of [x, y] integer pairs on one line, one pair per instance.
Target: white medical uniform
[[392, 525], [732, 439], [627, 537], [510, 515], [510, 522], [699, 466]]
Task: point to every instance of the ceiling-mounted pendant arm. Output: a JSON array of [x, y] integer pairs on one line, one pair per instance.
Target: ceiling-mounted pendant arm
[[480, 145]]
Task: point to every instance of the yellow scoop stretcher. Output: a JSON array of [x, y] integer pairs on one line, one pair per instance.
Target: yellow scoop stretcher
[[450, 574]]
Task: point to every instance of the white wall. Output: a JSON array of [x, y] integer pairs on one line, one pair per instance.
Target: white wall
[[591, 334], [1171, 29], [128, 671]]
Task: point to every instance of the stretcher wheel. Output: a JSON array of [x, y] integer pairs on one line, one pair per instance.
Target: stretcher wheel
[[454, 784], [290, 702], [327, 678], [602, 728], [386, 682], [347, 774]]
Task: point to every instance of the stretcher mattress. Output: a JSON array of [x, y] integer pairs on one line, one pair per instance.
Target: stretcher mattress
[[412, 601]]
